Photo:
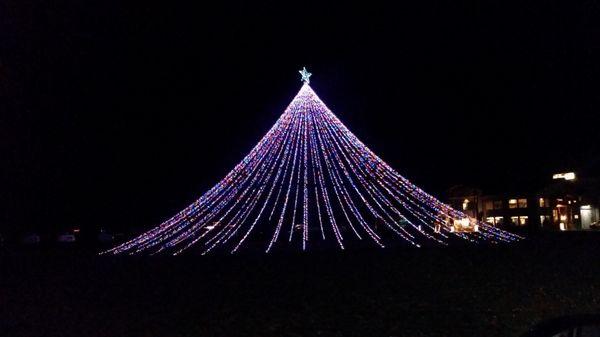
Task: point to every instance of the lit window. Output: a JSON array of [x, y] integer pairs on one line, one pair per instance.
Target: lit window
[[544, 220], [576, 216], [544, 202], [523, 220], [494, 220], [522, 203], [512, 203]]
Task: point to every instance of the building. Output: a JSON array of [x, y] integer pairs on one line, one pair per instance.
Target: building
[[562, 205]]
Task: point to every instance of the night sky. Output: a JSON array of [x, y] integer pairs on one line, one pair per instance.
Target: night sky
[[120, 114]]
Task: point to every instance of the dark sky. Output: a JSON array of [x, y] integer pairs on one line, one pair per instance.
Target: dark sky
[[121, 113]]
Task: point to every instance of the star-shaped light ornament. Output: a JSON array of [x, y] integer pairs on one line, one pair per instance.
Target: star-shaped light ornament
[[305, 75]]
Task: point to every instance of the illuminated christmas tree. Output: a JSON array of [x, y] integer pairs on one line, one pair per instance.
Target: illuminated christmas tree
[[310, 180]]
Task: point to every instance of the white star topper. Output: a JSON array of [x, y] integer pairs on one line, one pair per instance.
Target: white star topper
[[305, 75]]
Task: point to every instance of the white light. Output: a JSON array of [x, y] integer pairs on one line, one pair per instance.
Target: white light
[[562, 226], [305, 75], [565, 176], [586, 207]]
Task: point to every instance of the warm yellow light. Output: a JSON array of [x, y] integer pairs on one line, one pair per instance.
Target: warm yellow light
[[563, 218], [512, 201]]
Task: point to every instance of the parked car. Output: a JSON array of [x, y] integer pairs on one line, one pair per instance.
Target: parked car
[[568, 326], [66, 237], [105, 237], [31, 239]]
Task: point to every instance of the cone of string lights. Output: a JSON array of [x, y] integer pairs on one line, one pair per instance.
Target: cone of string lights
[[310, 182]]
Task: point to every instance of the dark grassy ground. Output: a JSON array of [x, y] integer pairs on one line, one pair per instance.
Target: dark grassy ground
[[416, 292]]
